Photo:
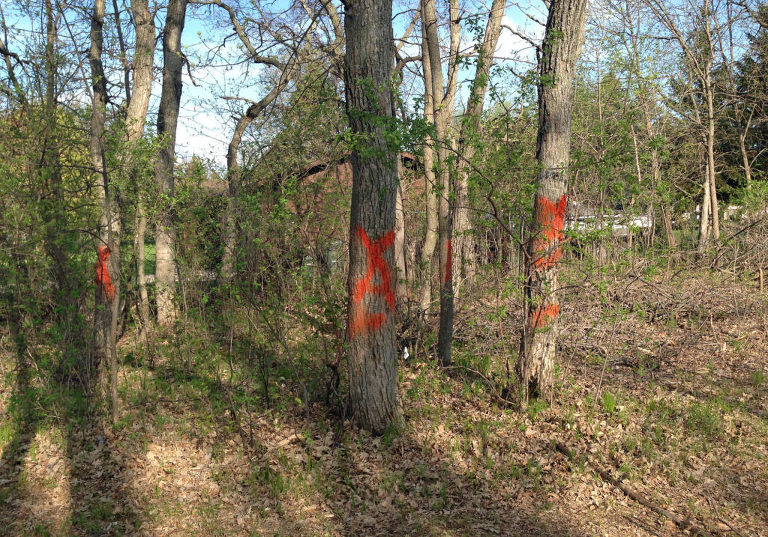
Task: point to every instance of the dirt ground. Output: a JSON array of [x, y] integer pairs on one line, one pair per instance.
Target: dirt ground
[[662, 390]]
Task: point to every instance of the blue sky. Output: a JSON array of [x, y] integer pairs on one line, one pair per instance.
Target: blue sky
[[207, 119]]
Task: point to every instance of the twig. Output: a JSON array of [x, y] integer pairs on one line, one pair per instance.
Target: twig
[[683, 523], [496, 395]]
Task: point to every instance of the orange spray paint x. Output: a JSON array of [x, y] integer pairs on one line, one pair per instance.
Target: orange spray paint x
[[360, 320]]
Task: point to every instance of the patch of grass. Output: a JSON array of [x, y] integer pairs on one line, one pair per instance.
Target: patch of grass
[[757, 377], [393, 431], [535, 407], [271, 478], [705, 420], [609, 402], [41, 531], [6, 433], [96, 517]]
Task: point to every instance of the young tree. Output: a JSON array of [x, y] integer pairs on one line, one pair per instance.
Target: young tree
[[371, 325], [108, 247], [167, 119], [562, 43], [136, 117], [463, 242], [442, 115], [698, 44]]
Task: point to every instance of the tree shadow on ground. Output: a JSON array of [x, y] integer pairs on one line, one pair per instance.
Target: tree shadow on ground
[[25, 420], [438, 498], [40, 404], [101, 502]]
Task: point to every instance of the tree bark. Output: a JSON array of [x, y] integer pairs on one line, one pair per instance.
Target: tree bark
[[562, 44], [464, 240], [136, 117], [167, 119], [108, 249], [430, 185], [442, 100], [400, 258], [710, 98], [370, 324], [706, 204]]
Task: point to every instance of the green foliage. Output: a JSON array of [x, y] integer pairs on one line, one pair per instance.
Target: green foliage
[[609, 402]]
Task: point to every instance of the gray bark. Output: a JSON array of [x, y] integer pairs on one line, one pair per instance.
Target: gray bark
[[442, 100], [143, 62], [371, 323], [107, 302], [562, 44], [464, 240], [400, 257], [167, 119], [430, 186]]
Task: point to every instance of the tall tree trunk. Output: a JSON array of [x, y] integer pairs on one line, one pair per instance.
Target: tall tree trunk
[[400, 259], [443, 114], [464, 240], [430, 185], [562, 43], [711, 172], [371, 325], [710, 98], [108, 247], [136, 117], [706, 205], [167, 119], [234, 171]]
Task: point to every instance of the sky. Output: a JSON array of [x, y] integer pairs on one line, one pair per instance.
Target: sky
[[206, 120]]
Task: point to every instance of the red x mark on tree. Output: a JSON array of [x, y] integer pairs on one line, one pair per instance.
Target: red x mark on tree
[[362, 321], [551, 217]]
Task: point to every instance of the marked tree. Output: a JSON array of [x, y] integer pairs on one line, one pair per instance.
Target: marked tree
[[167, 119], [563, 38], [108, 247], [442, 98], [370, 324]]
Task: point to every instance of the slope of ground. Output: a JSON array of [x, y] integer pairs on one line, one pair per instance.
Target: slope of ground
[[662, 388]]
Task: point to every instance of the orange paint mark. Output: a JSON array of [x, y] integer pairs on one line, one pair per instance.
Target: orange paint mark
[[551, 217], [360, 320], [449, 261], [542, 316], [103, 281]]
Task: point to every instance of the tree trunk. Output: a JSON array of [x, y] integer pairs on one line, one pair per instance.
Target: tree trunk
[[464, 240], [108, 249], [371, 325], [167, 118], [711, 175], [143, 62], [745, 159], [562, 43], [443, 113], [430, 186], [400, 259], [234, 171], [706, 204]]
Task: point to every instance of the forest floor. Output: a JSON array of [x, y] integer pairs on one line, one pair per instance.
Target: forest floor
[[662, 389]]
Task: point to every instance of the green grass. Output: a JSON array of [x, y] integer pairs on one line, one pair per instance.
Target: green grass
[[150, 257], [705, 420]]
